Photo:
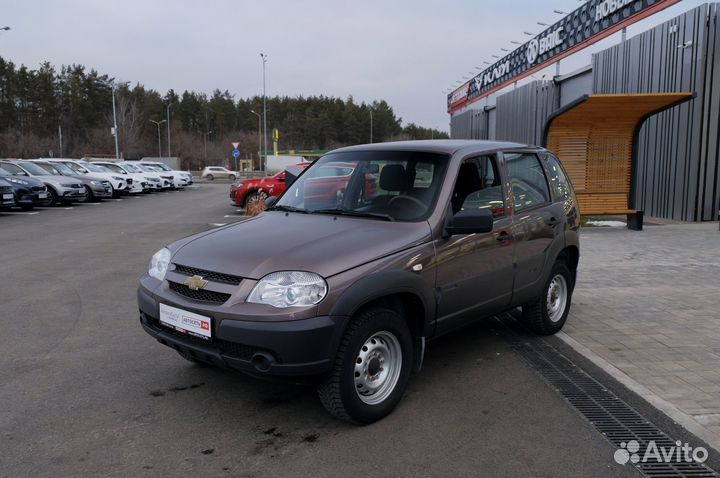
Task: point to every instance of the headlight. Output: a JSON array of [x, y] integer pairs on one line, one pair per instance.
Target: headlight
[[159, 264], [94, 183], [238, 185], [118, 178], [289, 289]]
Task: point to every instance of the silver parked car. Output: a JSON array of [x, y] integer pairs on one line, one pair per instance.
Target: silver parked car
[[61, 189], [96, 188]]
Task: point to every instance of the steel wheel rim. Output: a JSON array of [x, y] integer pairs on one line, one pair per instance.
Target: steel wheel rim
[[377, 367], [556, 300]]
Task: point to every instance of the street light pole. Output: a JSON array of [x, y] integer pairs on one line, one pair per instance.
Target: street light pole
[[115, 130], [158, 123], [371, 125], [168, 127], [264, 60], [205, 137], [259, 140]]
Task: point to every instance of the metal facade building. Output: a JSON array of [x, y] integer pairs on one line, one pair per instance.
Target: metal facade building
[[678, 151]]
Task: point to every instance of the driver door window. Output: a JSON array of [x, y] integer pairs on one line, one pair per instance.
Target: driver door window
[[479, 187]]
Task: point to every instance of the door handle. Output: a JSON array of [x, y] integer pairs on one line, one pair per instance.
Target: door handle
[[552, 221], [503, 237]]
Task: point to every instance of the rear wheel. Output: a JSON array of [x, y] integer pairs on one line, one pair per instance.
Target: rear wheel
[[210, 177], [372, 367], [548, 313], [232, 177]]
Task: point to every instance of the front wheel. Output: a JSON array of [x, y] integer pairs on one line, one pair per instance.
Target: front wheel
[[209, 177], [89, 195], [232, 177], [548, 313], [372, 368]]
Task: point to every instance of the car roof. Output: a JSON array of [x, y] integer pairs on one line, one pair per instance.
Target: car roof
[[446, 146]]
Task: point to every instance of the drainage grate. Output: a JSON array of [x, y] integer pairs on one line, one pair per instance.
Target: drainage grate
[[611, 416]]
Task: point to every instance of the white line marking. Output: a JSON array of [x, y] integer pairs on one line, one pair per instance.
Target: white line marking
[[19, 213], [217, 224]]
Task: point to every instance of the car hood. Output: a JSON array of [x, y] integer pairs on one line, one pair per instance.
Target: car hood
[[277, 241], [57, 180]]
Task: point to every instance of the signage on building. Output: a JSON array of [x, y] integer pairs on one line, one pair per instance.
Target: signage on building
[[593, 21]]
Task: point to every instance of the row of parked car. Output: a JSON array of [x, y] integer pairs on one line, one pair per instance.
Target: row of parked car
[[47, 182]]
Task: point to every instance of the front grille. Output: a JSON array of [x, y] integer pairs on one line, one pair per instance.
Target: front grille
[[129, 180], [208, 275], [199, 295], [105, 183], [6, 189]]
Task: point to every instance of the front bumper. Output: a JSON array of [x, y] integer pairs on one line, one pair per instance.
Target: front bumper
[[73, 195], [101, 192], [298, 348]]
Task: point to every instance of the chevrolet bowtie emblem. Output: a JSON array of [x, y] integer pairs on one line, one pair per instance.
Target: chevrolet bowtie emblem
[[196, 282]]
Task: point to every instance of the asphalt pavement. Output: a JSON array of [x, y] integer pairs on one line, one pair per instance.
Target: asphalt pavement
[[85, 392]]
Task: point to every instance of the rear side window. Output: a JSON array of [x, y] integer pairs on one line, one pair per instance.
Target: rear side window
[[529, 185], [560, 183]]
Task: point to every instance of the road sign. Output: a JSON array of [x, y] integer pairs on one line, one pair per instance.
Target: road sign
[[235, 145], [236, 153]]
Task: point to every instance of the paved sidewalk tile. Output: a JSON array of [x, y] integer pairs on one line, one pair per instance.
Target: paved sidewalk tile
[[648, 303]]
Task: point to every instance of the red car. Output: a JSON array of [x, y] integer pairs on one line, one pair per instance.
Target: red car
[[319, 191], [244, 192]]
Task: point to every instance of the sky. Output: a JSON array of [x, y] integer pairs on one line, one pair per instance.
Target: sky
[[407, 52]]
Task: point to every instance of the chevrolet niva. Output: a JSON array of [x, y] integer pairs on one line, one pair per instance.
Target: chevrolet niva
[[345, 289]]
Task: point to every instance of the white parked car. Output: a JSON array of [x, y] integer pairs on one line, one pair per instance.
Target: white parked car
[[137, 182], [153, 180], [218, 172], [118, 183], [166, 180], [181, 178]]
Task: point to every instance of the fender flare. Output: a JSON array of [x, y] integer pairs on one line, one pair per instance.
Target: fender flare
[[383, 284]]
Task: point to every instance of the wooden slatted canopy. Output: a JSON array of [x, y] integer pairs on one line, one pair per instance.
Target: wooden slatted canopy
[[594, 137]]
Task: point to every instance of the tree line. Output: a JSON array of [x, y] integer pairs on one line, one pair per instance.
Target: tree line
[[69, 112]]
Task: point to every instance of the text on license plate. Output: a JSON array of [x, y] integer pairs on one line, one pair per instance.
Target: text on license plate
[[7, 196], [184, 321], [42, 195]]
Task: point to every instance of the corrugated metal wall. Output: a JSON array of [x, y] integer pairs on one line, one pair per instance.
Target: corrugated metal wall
[[522, 113], [677, 155]]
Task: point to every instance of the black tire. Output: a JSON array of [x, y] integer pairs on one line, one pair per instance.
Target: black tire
[[536, 315], [232, 177], [339, 392], [115, 192], [52, 197], [89, 195], [210, 177], [254, 197]]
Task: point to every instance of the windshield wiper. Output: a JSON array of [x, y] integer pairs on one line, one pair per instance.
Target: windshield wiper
[[345, 212], [289, 209]]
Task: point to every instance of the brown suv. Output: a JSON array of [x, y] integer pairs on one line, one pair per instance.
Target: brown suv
[[346, 288]]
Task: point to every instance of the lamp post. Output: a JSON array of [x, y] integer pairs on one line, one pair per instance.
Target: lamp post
[[168, 126], [115, 130], [158, 123], [259, 140], [264, 60], [371, 125], [205, 137]]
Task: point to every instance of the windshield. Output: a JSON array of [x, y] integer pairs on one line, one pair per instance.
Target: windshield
[[50, 168], [4, 172], [96, 168], [161, 167], [392, 185], [34, 169], [113, 167], [145, 168], [132, 168], [63, 169], [153, 168]]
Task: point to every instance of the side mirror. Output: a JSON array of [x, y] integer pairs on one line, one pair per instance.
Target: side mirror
[[270, 202], [476, 221]]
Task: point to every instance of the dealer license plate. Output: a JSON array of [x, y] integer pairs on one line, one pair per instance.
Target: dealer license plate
[[186, 322], [42, 195], [7, 196]]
